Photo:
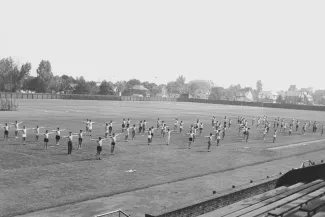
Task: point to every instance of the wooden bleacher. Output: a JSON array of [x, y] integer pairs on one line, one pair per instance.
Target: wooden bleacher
[[299, 200]]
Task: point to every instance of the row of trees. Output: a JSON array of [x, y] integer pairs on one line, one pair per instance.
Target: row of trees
[[15, 76]]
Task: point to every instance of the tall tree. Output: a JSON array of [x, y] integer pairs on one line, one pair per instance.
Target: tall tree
[[44, 76], [56, 84], [106, 88], [293, 87], [120, 87], [180, 81], [12, 74], [259, 87], [217, 93], [192, 88], [129, 85], [82, 86]]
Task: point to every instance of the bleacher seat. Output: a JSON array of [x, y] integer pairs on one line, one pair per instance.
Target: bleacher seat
[[314, 205], [279, 212]]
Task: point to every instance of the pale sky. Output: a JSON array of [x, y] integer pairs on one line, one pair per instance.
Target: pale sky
[[281, 42]]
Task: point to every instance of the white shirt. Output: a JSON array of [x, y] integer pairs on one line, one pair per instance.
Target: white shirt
[[16, 126], [46, 135], [90, 125], [106, 128], [58, 132], [24, 132], [80, 135], [100, 142], [149, 134], [6, 128], [37, 131], [181, 125]]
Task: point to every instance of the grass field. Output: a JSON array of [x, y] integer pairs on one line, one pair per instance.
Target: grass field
[[32, 178]]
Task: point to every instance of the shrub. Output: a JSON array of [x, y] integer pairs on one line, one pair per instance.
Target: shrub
[[7, 104], [90, 97]]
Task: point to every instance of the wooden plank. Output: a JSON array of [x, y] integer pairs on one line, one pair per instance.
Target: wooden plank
[[297, 203], [298, 214], [320, 214], [251, 201], [283, 201], [314, 205], [270, 200]]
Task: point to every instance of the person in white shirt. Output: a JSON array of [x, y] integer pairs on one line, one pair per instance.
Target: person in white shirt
[[37, 133], [133, 131], [209, 141], [106, 129], [87, 126], [99, 146], [175, 124], [113, 142], [80, 139], [46, 138], [181, 127], [123, 125], [6, 133], [168, 136], [127, 132], [58, 135], [90, 127], [16, 124], [110, 128], [149, 136], [201, 128], [24, 134], [190, 139], [128, 122]]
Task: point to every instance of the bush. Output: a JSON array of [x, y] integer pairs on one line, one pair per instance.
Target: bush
[[90, 97], [7, 104]]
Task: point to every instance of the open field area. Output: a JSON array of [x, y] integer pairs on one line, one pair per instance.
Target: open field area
[[33, 179]]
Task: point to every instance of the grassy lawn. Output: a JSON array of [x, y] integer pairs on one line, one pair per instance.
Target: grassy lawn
[[33, 179]]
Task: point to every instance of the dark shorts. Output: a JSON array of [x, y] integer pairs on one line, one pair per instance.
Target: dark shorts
[[24, 138], [149, 140], [58, 137], [113, 143], [110, 128], [99, 148], [6, 132], [151, 135], [69, 143], [46, 140], [190, 139], [123, 125], [80, 140], [127, 125]]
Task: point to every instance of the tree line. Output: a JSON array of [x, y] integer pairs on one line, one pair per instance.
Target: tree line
[[15, 76]]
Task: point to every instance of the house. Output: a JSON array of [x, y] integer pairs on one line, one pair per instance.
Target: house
[[244, 95], [298, 97], [267, 95], [69, 89]]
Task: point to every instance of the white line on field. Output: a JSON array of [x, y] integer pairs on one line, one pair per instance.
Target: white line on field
[[296, 144]]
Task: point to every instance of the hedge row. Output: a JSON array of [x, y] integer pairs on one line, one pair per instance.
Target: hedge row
[[89, 97], [256, 104]]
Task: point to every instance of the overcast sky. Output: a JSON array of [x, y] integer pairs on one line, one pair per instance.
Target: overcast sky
[[229, 42]]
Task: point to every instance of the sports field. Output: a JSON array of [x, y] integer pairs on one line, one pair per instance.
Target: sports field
[[32, 179]]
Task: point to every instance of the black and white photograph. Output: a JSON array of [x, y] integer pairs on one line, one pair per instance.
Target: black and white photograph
[[151, 108]]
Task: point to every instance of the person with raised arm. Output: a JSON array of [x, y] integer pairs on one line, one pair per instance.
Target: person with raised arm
[[37, 133], [70, 140], [217, 137], [58, 135], [46, 138], [168, 136], [90, 127], [209, 141], [201, 128], [87, 126], [99, 146], [158, 123], [128, 123], [114, 142], [181, 126], [16, 124], [24, 134], [149, 136], [127, 133]]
